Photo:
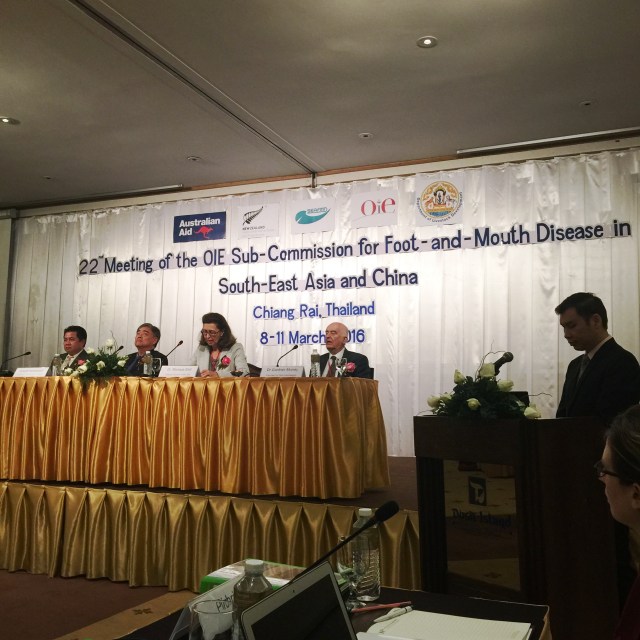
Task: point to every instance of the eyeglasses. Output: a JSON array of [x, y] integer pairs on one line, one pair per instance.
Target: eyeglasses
[[601, 471], [207, 333]]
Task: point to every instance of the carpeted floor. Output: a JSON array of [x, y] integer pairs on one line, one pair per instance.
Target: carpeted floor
[[36, 607]]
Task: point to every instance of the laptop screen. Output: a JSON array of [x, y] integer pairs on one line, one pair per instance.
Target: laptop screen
[[310, 608]]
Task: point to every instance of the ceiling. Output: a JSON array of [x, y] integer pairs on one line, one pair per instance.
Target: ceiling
[[117, 95]]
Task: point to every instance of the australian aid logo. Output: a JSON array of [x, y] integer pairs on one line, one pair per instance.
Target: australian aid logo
[[440, 202], [201, 226]]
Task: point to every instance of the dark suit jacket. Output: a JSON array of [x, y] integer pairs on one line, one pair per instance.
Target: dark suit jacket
[[80, 358], [362, 364], [138, 369], [609, 385]]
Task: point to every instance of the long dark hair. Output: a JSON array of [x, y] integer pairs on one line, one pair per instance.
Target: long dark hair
[[227, 339], [624, 442]]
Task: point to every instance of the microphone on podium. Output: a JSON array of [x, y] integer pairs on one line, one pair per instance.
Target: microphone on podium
[[507, 356], [5, 373], [295, 346], [174, 348], [382, 514]]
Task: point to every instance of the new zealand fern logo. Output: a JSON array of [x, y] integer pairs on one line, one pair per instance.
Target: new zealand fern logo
[[249, 216]]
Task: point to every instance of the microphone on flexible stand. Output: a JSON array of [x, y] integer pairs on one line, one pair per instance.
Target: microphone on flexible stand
[[507, 356], [174, 348], [120, 348], [295, 346], [6, 373], [382, 514]]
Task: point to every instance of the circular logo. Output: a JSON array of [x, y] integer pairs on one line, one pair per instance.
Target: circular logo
[[439, 201]]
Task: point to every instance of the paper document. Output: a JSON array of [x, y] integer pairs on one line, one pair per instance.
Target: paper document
[[423, 625]]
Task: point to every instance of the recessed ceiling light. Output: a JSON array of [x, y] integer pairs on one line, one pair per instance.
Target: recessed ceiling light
[[427, 42], [587, 103], [8, 120], [365, 136], [194, 158]]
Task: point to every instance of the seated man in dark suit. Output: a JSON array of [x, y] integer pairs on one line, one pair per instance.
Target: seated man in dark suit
[[74, 341], [146, 341], [336, 336], [602, 382]]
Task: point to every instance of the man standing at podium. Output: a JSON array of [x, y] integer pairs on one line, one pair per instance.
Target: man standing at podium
[[605, 380], [602, 382]]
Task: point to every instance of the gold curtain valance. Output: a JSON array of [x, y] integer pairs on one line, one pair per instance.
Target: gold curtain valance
[[319, 437], [148, 538]]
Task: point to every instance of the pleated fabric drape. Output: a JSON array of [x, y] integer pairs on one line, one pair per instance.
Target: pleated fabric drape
[[284, 436], [147, 538]]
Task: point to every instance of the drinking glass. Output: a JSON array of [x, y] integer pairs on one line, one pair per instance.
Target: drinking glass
[[340, 366], [213, 620], [156, 365], [353, 564]]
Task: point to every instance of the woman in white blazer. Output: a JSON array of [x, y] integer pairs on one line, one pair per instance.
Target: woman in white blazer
[[219, 353]]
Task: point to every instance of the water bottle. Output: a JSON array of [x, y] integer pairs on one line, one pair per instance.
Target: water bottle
[[146, 361], [367, 547], [251, 588], [314, 371]]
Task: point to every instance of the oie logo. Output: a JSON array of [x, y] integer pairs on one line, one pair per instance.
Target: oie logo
[[440, 201]]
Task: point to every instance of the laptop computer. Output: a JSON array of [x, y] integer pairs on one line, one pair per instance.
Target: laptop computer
[[308, 608]]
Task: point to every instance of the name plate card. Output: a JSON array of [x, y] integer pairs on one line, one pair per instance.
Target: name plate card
[[31, 372], [177, 371], [282, 372]]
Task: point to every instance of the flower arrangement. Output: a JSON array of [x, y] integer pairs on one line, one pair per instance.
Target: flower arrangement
[[225, 361], [482, 397], [99, 365]]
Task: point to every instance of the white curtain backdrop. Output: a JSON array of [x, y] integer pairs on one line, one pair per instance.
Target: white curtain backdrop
[[468, 301]]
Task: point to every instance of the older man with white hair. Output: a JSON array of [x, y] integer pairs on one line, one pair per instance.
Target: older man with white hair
[[336, 336]]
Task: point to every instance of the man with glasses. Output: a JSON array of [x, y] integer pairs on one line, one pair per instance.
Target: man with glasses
[[146, 341]]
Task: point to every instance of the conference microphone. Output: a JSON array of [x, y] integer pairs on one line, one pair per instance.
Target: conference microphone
[[120, 348], [382, 514], [26, 353], [507, 356], [174, 348], [295, 346]]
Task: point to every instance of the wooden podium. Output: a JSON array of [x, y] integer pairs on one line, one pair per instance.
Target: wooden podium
[[565, 545]]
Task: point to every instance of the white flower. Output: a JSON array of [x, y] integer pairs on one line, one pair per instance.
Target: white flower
[[109, 343], [73, 374], [82, 368], [122, 362], [532, 412], [487, 370], [473, 404], [90, 350], [68, 371], [458, 377], [100, 365], [505, 385], [433, 401], [445, 397]]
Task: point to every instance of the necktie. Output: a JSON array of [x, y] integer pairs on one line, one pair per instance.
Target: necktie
[[67, 362], [332, 367], [134, 364], [583, 366]]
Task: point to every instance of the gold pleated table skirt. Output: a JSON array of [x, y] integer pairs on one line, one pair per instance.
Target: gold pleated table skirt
[[308, 437]]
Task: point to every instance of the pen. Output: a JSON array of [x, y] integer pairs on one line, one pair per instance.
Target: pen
[[376, 607], [394, 613]]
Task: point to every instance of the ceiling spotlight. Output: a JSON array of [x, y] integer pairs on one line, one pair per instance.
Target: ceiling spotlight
[[365, 136], [8, 120], [194, 158], [427, 42], [586, 103]]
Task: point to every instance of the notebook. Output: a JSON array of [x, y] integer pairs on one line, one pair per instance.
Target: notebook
[[308, 608]]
